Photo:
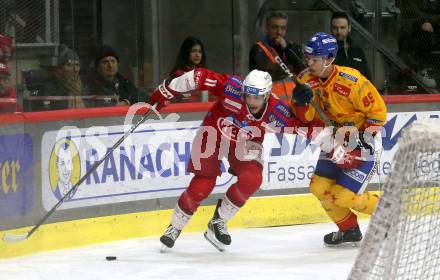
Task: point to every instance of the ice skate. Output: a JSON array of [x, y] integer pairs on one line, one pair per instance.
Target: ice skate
[[169, 238], [351, 237], [217, 232]]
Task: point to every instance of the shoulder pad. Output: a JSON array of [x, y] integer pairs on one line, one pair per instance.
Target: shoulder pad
[[233, 87], [236, 79], [348, 76], [283, 109], [349, 73]]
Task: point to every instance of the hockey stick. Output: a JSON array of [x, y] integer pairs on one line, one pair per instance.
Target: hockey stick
[[13, 238], [289, 73]]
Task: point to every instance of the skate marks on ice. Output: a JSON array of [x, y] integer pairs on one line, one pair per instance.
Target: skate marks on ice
[[293, 252]]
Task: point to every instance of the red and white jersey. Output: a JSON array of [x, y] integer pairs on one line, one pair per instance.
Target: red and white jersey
[[230, 114]]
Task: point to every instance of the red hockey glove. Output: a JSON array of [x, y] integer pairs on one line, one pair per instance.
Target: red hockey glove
[[347, 148], [161, 96]]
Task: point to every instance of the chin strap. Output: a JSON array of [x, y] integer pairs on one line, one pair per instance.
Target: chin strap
[[325, 66]]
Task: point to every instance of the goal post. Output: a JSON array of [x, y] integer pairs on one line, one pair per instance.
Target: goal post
[[403, 237]]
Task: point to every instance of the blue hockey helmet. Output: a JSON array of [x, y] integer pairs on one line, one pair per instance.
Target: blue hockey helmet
[[322, 44]]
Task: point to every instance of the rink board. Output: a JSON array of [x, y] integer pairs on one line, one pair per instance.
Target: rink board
[[258, 212], [131, 195]]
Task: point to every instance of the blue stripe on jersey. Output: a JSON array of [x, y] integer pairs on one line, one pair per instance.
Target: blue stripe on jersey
[[373, 121], [235, 80]]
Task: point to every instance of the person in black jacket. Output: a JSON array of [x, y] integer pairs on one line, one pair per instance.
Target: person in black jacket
[[419, 38], [107, 81], [349, 54], [289, 52]]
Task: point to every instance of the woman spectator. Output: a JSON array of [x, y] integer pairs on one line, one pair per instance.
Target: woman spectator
[[191, 55]]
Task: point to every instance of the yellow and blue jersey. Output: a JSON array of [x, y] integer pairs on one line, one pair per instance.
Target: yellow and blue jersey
[[346, 97]]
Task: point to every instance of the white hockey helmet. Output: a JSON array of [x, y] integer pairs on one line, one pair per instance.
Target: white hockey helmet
[[257, 83]]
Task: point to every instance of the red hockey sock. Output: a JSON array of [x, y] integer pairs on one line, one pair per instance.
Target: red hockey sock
[[349, 222]]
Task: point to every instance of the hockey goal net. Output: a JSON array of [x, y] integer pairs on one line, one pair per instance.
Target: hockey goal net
[[403, 237]]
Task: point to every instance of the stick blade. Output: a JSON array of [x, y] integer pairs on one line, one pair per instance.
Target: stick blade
[[14, 238]]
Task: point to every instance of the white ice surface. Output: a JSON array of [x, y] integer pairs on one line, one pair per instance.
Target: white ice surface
[[290, 252]]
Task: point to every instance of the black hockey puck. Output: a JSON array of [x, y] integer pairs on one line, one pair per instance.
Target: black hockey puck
[[110, 258]]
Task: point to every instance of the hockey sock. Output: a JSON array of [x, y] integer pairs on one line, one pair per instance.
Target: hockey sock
[[179, 219], [227, 209], [348, 222]]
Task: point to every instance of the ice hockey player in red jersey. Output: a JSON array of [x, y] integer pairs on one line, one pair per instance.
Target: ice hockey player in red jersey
[[233, 128]]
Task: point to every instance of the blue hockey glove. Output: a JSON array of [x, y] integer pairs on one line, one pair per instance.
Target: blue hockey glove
[[302, 94]]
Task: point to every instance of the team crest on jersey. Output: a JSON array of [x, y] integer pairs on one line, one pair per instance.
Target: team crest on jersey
[[283, 109], [341, 89], [233, 129], [348, 76], [238, 123]]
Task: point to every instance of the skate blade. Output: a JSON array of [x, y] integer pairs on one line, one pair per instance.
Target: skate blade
[[344, 245], [210, 236], [164, 248]]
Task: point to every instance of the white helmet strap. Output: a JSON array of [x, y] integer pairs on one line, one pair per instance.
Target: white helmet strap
[[326, 65]]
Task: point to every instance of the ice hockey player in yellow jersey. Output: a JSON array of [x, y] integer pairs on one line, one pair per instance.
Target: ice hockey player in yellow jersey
[[357, 112]]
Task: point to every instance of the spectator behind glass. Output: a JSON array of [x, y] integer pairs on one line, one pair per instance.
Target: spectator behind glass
[[419, 38], [289, 52], [65, 81], [349, 54], [191, 56], [6, 48], [107, 81], [8, 96]]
